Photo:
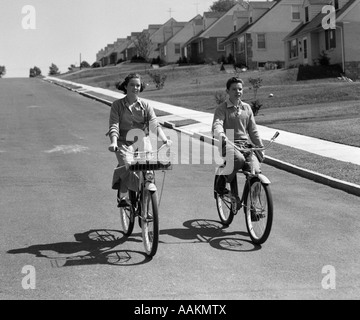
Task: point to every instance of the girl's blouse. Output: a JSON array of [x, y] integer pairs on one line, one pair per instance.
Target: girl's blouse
[[125, 117]]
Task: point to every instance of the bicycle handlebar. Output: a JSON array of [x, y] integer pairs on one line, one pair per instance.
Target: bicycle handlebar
[[254, 148]]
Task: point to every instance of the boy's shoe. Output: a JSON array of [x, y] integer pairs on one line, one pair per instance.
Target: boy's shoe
[[220, 188]]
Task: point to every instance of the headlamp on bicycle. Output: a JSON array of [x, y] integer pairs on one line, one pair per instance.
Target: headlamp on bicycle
[[149, 175]]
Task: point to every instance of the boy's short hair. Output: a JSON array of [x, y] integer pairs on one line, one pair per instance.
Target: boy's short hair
[[233, 80]]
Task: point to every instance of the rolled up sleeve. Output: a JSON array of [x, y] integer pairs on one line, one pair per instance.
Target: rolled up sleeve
[[114, 120], [218, 121]]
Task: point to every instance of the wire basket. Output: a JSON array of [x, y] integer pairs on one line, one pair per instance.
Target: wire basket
[[144, 161]]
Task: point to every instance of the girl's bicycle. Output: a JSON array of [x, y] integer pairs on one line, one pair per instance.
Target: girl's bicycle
[[256, 199], [144, 204]]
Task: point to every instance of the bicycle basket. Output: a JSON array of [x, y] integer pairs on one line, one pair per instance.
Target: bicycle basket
[[144, 161]]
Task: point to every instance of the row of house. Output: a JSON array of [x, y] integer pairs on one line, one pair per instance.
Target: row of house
[[255, 34]]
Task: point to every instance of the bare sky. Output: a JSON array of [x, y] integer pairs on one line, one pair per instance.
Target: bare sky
[[64, 29]]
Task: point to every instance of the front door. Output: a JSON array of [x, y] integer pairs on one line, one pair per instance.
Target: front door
[[305, 50]]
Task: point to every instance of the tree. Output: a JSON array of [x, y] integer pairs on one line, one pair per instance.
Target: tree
[[84, 64], [143, 45], [222, 5], [35, 72], [53, 70], [2, 71]]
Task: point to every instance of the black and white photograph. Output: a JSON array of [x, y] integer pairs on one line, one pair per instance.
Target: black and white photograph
[[180, 156]]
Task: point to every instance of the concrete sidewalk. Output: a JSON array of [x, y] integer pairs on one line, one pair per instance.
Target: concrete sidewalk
[[202, 129]]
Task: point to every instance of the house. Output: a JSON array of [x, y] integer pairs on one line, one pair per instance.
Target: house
[[206, 46], [103, 58], [191, 50], [172, 49], [258, 40], [115, 54], [161, 35], [316, 34]]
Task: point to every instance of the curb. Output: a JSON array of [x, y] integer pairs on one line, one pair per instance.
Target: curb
[[315, 176], [88, 95], [350, 188]]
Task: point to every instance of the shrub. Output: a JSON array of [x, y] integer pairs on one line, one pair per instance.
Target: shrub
[[137, 59], [324, 60], [220, 96], [256, 83], [96, 65], [158, 78], [255, 106], [318, 72]]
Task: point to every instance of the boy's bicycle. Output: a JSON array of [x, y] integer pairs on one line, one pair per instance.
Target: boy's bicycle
[[144, 204], [256, 199]]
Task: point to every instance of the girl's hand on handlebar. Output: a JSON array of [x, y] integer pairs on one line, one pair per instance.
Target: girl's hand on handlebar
[[113, 147]]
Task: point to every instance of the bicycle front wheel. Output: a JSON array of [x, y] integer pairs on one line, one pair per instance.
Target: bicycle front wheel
[[127, 216], [258, 207], [150, 222]]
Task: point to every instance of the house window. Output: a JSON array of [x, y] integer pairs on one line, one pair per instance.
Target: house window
[[220, 47], [261, 41], [330, 39], [201, 47], [177, 48], [306, 14], [293, 49], [242, 44], [295, 12]]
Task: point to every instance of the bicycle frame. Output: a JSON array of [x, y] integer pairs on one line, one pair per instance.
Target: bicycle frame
[[249, 175]]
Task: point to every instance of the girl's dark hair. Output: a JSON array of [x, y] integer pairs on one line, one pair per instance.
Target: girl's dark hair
[[122, 85], [233, 80]]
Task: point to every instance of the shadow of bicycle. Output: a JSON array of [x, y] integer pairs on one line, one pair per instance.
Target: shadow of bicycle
[[90, 248], [213, 233]]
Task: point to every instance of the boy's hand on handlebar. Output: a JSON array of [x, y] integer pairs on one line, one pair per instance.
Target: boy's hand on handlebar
[[168, 143]]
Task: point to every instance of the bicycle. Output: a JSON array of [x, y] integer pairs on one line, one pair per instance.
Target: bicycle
[[144, 204], [256, 198]]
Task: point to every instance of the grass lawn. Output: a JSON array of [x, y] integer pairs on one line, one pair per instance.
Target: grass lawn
[[327, 109]]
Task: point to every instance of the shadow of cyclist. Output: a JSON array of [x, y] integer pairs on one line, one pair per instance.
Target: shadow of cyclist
[[91, 247], [212, 232]]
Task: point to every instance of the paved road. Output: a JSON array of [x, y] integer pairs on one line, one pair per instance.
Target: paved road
[[59, 220]]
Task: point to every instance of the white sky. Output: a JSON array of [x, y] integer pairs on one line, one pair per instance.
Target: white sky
[[64, 29]]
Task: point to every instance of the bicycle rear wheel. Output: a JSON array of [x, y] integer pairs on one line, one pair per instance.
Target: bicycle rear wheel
[[150, 222], [258, 207], [127, 216], [225, 205]]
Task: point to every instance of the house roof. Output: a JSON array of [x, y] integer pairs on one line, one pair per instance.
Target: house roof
[[193, 20], [247, 26], [322, 2], [212, 14], [224, 15], [316, 22], [235, 34]]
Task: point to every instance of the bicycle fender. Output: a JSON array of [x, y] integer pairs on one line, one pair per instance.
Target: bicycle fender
[[150, 186], [263, 179]]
